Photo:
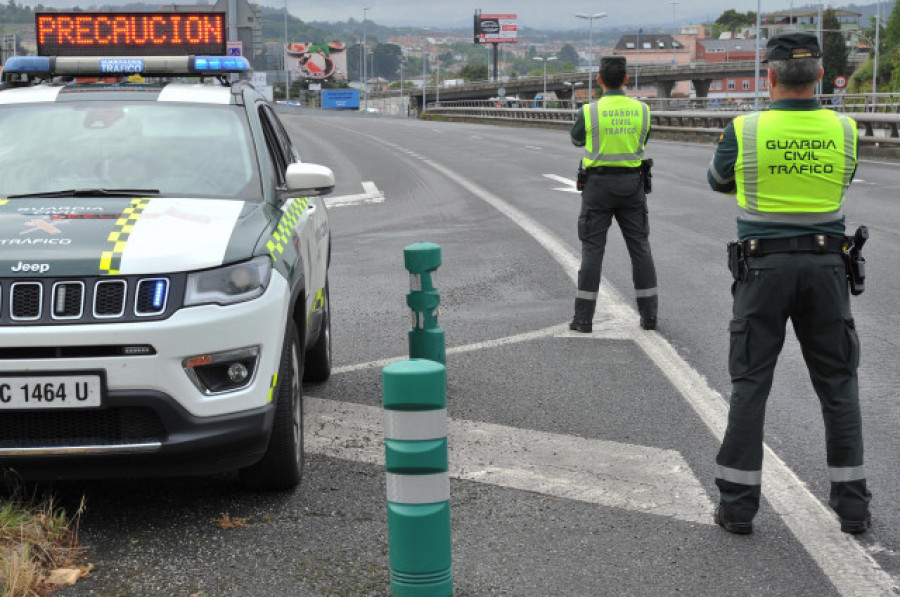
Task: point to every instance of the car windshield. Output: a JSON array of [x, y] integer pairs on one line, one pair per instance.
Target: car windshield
[[176, 149]]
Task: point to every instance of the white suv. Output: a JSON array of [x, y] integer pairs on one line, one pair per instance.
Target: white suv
[[163, 274]]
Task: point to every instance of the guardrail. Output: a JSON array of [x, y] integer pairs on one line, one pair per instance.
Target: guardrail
[[876, 130]]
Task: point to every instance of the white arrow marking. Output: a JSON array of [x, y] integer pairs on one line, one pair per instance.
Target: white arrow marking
[[570, 184], [649, 480], [371, 195]]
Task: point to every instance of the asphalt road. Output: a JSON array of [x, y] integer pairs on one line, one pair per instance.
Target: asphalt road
[[580, 465]]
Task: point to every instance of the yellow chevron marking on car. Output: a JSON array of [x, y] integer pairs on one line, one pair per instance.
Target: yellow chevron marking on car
[[118, 238], [317, 304], [4, 201], [272, 386], [285, 229]]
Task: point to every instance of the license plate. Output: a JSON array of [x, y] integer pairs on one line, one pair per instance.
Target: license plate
[[33, 392]]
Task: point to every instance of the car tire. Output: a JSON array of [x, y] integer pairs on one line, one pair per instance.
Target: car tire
[[317, 364], [281, 468]]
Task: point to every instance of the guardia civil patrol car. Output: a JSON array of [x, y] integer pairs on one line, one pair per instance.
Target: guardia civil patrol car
[[163, 262]]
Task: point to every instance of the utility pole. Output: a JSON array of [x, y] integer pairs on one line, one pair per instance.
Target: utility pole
[[364, 74]]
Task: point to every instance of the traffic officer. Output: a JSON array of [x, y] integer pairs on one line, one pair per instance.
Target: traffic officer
[[613, 132], [789, 167]]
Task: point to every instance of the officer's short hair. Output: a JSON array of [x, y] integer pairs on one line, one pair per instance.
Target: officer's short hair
[[612, 71], [796, 74]]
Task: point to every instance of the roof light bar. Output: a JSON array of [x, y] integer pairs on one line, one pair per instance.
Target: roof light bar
[[119, 65]]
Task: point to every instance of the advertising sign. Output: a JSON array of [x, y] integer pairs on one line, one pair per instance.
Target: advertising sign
[[495, 29], [319, 62], [340, 99], [130, 33]]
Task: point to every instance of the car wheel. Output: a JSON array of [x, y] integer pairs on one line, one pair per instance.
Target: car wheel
[[281, 467], [317, 367]]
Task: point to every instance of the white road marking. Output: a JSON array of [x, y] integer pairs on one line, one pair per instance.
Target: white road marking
[[840, 557], [533, 147], [570, 184], [648, 480], [371, 194]]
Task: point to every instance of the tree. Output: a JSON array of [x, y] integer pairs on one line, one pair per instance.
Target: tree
[[732, 20], [568, 54], [474, 71], [834, 50]]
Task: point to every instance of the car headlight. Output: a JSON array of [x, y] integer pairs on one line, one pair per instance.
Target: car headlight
[[230, 284]]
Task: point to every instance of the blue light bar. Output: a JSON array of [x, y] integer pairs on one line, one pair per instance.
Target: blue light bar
[[220, 64], [27, 64], [162, 66]]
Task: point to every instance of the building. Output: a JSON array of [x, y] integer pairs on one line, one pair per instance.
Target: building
[[732, 50]]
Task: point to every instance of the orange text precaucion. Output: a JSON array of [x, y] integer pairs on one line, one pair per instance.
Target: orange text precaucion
[[85, 30]]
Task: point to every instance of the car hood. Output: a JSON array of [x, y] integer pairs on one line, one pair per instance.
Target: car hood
[[108, 236]]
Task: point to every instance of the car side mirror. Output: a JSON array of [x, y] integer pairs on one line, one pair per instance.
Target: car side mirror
[[309, 179]]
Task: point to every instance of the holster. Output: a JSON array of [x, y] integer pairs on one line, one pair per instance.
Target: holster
[[582, 176], [854, 262], [647, 175], [737, 265]]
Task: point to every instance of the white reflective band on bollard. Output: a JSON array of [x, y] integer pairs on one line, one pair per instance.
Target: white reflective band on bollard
[[415, 424], [418, 489], [415, 282]]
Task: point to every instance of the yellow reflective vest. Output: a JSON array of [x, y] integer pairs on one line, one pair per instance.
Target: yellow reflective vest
[[616, 128], [794, 161]]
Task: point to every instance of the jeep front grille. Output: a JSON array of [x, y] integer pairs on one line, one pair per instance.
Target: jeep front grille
[[89, 300]]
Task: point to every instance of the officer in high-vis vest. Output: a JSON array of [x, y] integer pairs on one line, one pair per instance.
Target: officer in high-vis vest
[[614, 132], [789, 168]]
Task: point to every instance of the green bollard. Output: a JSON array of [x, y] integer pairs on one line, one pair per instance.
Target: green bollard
[[418, 481], [426, 338]]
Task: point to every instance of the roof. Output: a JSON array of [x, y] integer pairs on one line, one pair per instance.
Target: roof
[[648, 41], [733, 45], [171, 92]]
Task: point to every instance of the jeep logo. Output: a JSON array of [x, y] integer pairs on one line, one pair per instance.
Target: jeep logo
[[31, 267]]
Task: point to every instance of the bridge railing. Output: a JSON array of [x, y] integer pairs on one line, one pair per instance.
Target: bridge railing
[[875, 128]]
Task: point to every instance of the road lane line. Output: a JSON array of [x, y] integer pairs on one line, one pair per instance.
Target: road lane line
[[840, 557], [640, 478], [526, 337], [371, 195]]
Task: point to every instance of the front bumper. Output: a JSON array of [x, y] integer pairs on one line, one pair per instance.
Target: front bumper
[[153, 418], [138, 434]]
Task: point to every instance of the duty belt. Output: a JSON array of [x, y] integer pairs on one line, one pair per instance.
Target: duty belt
[[814, 243], [611, 169]]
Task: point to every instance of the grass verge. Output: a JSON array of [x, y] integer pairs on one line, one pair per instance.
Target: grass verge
[[38, 539]]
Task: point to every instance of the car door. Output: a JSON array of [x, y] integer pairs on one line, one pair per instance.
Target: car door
[[303, 210]]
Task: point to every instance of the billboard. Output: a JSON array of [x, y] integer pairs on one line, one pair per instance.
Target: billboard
[[319, 62], [340, 99], [495, 29]]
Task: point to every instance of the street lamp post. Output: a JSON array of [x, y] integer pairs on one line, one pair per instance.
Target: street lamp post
[[756, 60], [545, 61], [364, 73], [875, 65], [572, 87], [402, 64], [437, 83], [637, 50], [424, 83], [287, 70], [591, 18], [674, 24]]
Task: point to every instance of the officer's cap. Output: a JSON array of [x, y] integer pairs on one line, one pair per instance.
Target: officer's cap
[[607, 61], [792, 45]]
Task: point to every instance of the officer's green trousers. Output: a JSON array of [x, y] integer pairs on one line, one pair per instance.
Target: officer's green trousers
[[811, 291], [620, 196]]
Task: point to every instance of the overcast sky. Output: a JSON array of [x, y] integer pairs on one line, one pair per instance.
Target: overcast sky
[[539, 14]]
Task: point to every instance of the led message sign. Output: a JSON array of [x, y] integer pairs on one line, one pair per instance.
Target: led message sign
[[130, 34]]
